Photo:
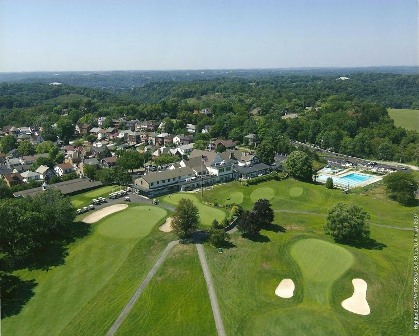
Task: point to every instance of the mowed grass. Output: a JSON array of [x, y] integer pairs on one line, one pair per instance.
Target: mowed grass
[[207, 214], [321, 269], [65, 291], [313, 200], [405, 118], [84, 199], [175, 302], [320, 263]]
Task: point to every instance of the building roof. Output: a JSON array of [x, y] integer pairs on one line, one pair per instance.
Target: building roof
[[42, 169], [64, 166], [167, 174], [29, 173], [91, 162], [67, 187], [251, 169]]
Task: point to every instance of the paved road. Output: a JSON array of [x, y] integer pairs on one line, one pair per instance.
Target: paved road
[[211, 292], [140, 289]]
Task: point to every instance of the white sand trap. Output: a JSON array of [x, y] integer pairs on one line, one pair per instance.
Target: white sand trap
[[357, 303], [98, 215], [167, 226], [285, 289]]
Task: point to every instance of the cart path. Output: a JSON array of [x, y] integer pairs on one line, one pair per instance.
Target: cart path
[[127, 309], [211, 292]]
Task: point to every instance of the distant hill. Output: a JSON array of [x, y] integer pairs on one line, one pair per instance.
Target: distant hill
[[123, 80]]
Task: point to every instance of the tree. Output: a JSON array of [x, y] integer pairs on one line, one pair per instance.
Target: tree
[[401, 186], [298, 165], [129, 159], [65, 129], [220, 148], [90, 171], [248, 223], [5, 191], [263, 210], [218, 237], [329, 183], [347, 222], [266, 152], [185, 218], [25, 148], [7, 143], [44, 147]]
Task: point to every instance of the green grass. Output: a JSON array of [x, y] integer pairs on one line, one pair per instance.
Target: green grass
[[175, 302], [86, 198], [234, 198], [66, 291], [207, 214], [136, 222], [405, 118], [306, 255], [264, 192]]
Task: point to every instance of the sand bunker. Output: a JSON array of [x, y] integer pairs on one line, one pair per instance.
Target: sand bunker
[[285, 289], [357, 303], [167, 226], [98, 215]]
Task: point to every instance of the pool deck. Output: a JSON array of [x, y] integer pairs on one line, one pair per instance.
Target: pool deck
[[346, 172]]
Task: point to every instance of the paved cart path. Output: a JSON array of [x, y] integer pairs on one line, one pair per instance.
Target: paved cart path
[[211, 292]]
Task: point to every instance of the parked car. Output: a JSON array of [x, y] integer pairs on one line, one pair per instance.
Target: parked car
[[85, 209], [91, 207], [127, 199]]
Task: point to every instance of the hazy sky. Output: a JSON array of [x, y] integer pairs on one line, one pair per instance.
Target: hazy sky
[[54, 35]]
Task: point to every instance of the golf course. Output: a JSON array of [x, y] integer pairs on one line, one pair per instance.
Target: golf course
[[86, 294]]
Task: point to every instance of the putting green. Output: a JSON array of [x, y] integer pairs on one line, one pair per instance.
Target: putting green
[[266, 193], [321, 263], [296, 191], [235, 198], [296, 321], [134, 222], [207, 214]]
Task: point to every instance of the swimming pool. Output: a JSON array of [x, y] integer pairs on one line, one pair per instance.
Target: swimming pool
[[351, 180]]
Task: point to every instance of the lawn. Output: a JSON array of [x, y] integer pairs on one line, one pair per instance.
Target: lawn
[[405, 118], [94, 265], [86, 198], [321, 269], [176, 301], [207, 214]]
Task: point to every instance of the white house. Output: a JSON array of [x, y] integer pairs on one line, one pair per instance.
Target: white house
[[64, 168], [30, 176], [45, 173]]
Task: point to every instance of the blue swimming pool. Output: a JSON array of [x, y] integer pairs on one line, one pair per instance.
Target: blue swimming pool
[[350, 180]]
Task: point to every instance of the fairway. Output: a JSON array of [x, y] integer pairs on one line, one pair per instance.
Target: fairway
[[207, 214], [266, 193], [135, 222], [175, 302], [68, 288], [408, 119]]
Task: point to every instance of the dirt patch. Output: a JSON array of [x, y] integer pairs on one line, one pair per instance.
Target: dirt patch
[[167, 225], [99, 214]]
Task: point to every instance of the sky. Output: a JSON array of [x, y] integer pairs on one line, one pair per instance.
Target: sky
[[99, 35]]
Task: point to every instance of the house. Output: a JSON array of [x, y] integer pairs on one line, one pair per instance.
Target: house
[[108, 162], [13, 179], [163, 139], [13, 163], [64, 168], [182, 139], [246, 172], [228, 144], [83, 129], [29, 176], [252, 139], [218, 164], [182, 150], [30, 159], [45, 173], [207, 112], [191, 128], [206, 129], [134, 138], [157, 183]]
